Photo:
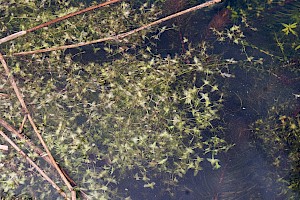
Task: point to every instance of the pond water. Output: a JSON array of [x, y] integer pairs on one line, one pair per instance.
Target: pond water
[[252, 93], [246, 170]]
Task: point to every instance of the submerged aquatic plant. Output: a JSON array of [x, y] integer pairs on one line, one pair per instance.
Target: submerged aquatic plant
[[131, 112], [289, 28], [279, 134]]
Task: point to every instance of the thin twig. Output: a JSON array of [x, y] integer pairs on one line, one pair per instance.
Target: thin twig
[[122, 35], [3, 147], [60, 191], [23, 123], [21, 100], [72, 15], [36, 149], [20, 33]]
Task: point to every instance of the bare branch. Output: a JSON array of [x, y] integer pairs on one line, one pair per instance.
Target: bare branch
[[60, 191], [20, 33], [36, 149], [21, 100], [122, 35], [3, 147]]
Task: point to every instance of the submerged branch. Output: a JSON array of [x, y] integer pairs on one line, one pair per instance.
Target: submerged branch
[[32, 146], [22, 102], [20, 33], [122, 35], [60, 191]]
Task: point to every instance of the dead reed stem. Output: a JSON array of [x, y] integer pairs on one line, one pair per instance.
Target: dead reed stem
[[122, 35], [60, 191], [36, 149], [20, 33], [24, 107]]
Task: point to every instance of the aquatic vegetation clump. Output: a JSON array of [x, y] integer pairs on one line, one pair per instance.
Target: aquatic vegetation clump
[[277, 20], [130, 111], [280, 137], [140, 113]]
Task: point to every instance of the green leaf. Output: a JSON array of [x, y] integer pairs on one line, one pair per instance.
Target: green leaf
[[149, 185], [214, 162], [289, 28], [162, 161]]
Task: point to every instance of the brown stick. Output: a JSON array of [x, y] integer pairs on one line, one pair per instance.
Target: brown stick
[[72, 14], [36, 149], [23, 123], [21, 100], [3, 147], [122, 35], [60, 191], [12, 36], [28, 142], [18, 34]]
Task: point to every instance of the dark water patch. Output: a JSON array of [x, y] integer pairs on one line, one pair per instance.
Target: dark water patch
[[245, 174]]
